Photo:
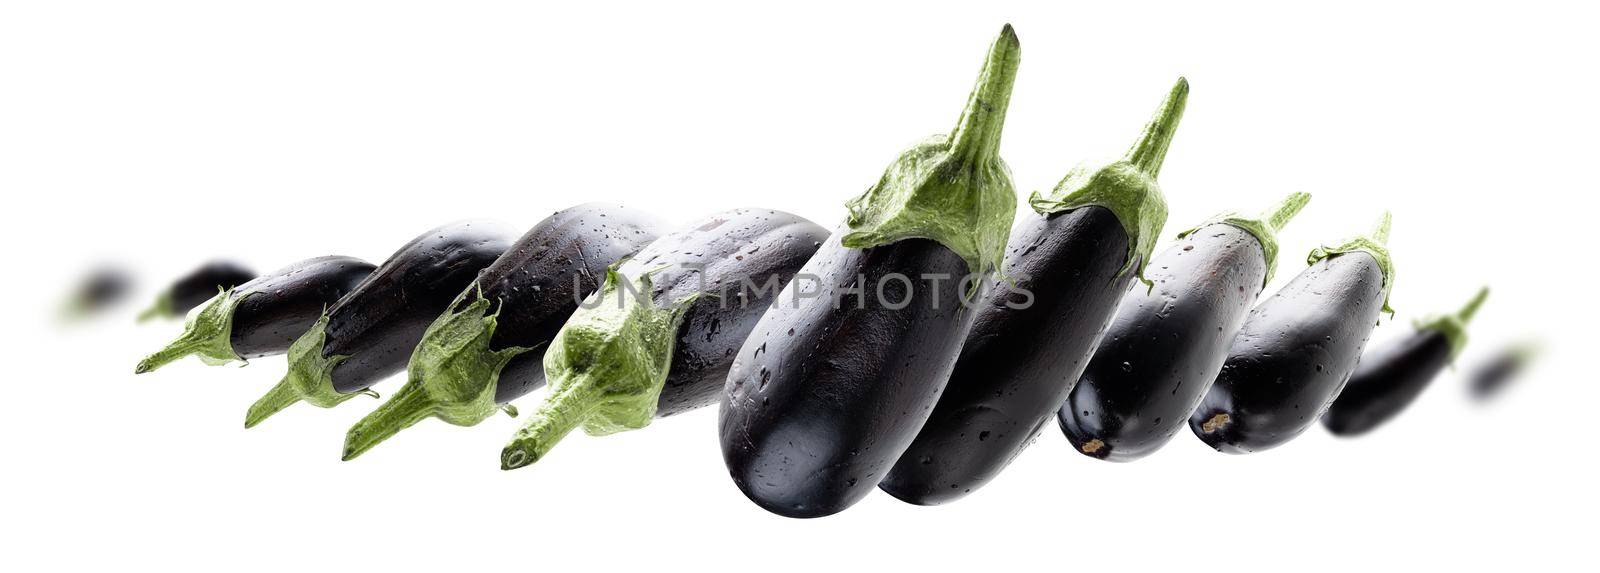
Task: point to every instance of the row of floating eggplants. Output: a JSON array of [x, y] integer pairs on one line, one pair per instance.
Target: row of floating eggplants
[[927, 393]]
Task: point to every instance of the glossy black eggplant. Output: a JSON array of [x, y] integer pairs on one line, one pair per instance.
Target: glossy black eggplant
[[264, 316], [1166, 343], [1490, 378], [198, 286], [485, 350], [1391, 377], [835, 381], [369, 333], [1066, 267], [825, 396], [1298, 348], [708, 286]]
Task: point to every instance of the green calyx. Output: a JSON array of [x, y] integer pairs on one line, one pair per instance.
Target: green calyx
[[951, 189], [207, 335], [1371, 243], [309, 379], [161, 308], [606, 368], [452, 376], [1454, 326], [1265, 227], [1126, 187]]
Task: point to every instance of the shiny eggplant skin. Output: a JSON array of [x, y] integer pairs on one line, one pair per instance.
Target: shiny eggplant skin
[[1028, 343], [1293, 356], [276, 308], [1387, 380], [716, 256], [833, 384], [1165, 345], [199, 286], [539, 281], [380, 321]]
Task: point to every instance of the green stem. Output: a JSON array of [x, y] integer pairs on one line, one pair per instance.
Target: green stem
[[1465, 314], [1454, 326], [1265, 228], [408, 406], [1148, 153], [559, 415], [976, 137], [1286, 210], [1380, 232], [279, 397], [161, 308], [183, 346], [207, 334]]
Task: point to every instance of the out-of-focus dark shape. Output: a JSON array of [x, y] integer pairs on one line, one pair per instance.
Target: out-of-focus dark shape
[[197, 287], [104, 287], [1391, 377], [1489, 378]]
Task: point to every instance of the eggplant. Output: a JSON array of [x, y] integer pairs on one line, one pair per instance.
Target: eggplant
[[367, 335], [103, 288], [264, 316], [1490, 378], [1298, 348], [485, 349], [1068, 265], [1166, 343], [619, 362], [193, 289], [837, 378], [1391, 377]]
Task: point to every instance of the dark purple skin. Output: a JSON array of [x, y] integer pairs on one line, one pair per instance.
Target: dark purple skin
[[1387, 380], [103, 288], [1293, 356], [276, 308], [1023, 354], [823, 398], [537, 283], [199, 286], [1165, 345], [1492, 377], [378, 323], [743, 257]]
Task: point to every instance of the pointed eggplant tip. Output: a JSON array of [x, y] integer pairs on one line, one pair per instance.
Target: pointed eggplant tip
[[1286, 210], [1380, 233], [279, 397], [349, 454], [407, 407], [513, 457], [142, 368], [1150, 150], [1471, 308]]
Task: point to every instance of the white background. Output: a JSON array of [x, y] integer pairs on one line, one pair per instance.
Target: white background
[[159, 134]]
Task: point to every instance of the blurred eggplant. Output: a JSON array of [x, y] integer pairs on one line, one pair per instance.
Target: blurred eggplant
[[198, 286], [1391, 377]]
